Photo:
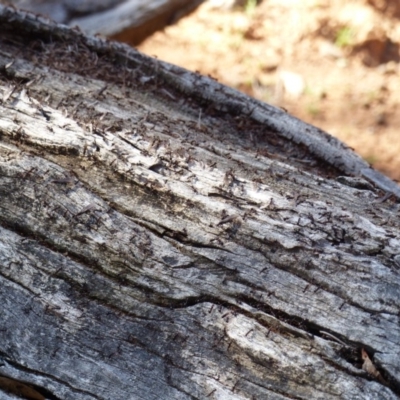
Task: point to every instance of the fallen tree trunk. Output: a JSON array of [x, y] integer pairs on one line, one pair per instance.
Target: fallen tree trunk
[[164, 236], [130, 21]]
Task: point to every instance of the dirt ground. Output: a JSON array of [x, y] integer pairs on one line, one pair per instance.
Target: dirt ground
[[332, 63]]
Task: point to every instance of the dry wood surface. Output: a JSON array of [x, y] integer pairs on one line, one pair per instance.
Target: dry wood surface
[[164, 237]]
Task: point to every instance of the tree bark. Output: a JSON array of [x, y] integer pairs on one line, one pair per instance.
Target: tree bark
[[164, 236]]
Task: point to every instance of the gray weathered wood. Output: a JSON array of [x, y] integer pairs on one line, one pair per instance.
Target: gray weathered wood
[[164, 236], [134, 20], [131, 21]]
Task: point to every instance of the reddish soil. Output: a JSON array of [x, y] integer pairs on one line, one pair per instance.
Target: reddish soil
[[332, 63]]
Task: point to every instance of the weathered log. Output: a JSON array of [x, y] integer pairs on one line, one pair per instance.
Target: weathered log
[[164, 236], [130, 21]]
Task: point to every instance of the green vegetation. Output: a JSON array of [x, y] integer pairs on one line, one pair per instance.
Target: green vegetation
[[344, 37], [313, 109], [250, 7]]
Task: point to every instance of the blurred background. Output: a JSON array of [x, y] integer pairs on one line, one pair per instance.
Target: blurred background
[[332, 63]]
